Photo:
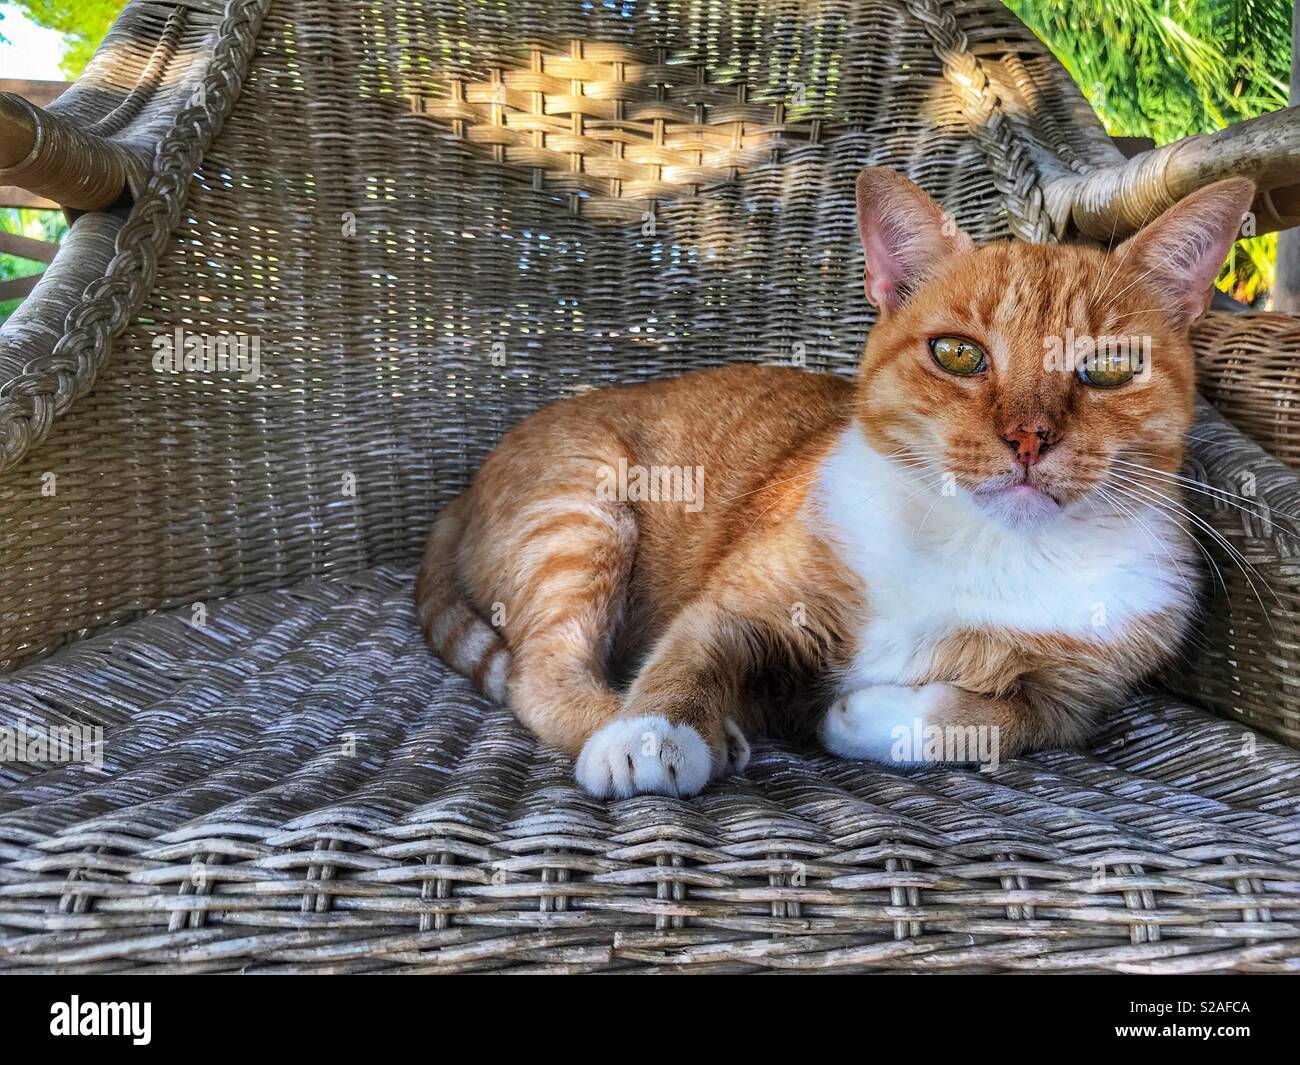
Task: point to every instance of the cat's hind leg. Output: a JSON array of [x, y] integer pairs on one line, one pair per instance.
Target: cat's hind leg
[[557, 579]]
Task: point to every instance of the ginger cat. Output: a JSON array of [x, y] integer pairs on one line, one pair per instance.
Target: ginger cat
[[982, 531]]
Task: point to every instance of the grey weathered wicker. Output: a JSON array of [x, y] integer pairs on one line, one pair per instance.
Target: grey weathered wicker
[[436, 216]]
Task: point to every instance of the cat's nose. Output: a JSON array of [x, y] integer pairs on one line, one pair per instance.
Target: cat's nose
[[1030, 440]]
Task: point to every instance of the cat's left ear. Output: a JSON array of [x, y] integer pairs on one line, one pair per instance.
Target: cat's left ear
[[1179, 254], [905, 236]]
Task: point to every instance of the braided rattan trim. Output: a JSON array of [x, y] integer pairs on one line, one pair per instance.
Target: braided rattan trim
[[1014, 172], [30, 402]]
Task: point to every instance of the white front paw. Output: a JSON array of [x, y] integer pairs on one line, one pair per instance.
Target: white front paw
[[873, 722], [644, 756]]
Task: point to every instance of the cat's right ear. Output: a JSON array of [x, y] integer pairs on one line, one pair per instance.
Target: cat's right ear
[[905, 236]]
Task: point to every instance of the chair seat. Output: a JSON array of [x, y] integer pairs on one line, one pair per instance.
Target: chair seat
[[297, 783]]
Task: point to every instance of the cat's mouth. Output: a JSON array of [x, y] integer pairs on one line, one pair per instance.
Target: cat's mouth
[[1018, 501]]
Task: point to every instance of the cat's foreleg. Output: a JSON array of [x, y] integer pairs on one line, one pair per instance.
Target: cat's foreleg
[[678, 727], [900, 725]]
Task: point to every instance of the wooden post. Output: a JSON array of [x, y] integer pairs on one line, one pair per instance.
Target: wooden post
[[1286, 288]]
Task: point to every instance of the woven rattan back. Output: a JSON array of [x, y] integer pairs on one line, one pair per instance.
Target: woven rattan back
[[424, 220]]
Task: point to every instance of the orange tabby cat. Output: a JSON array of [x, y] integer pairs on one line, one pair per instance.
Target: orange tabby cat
[[982, 532]]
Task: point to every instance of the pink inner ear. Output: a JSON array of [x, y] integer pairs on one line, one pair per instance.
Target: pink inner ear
[[1180, 253], [880, 278], [880, 292], [903, 236], [1192, 255]]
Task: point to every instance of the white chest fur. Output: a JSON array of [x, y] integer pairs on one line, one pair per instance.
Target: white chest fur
[[934, 564]]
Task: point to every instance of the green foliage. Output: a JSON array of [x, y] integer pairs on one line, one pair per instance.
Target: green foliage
[[83, 24], [1169, 68], [39, 225]]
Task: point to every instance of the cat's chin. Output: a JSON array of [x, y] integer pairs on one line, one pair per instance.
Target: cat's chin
[[1018, 505]]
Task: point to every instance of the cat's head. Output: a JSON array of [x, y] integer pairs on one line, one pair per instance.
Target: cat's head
[[1033, 378]]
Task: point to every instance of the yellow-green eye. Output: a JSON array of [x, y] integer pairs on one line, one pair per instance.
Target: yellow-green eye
[[1107, 369], [958, 355]]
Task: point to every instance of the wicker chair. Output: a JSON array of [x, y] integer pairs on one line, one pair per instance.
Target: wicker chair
[[434, 217]]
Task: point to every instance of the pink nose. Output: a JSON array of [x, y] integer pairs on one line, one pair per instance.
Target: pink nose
[[1030, 441]]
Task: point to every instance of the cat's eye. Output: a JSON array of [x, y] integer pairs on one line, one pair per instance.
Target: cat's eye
[[958, 355], [1107, 370]]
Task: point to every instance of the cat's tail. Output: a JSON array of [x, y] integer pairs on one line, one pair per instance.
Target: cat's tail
[[452, 628]]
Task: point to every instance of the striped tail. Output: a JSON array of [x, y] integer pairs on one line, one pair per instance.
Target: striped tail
[[453, 630]]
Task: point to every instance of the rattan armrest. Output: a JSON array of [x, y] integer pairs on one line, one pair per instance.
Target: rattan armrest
[[1244, 659], [1119, 199], [130, 131]]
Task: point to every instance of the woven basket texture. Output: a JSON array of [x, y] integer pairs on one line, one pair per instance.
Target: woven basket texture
[[1250, 370], [433, 218]]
